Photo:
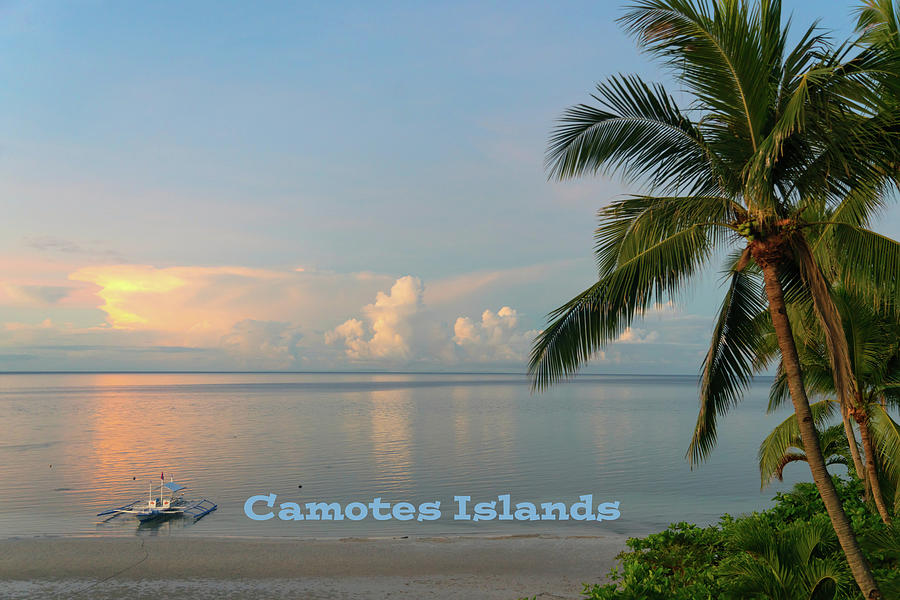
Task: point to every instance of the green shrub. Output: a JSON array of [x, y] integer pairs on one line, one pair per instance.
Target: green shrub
[[738, 557], [671, 565]]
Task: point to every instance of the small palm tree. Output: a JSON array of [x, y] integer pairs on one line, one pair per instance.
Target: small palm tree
[[784, 446], [873, 340], [775, 133], [794, 562]]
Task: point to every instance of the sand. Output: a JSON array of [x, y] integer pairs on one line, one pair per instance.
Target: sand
[[454, 567]]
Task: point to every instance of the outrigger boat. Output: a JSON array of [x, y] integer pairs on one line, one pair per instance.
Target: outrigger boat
[[164, 506]]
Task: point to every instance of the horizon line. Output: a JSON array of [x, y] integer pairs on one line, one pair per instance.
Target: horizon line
[[377, 372]]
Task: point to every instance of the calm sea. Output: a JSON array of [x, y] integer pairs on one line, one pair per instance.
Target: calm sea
[[74, 444]]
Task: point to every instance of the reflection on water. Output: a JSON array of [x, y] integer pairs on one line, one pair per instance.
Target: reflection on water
[[391, 434], [75, 444]]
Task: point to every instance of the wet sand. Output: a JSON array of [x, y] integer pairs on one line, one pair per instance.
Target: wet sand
[[147, 567]]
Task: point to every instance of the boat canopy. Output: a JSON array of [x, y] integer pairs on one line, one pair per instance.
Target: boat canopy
[[173, 487]]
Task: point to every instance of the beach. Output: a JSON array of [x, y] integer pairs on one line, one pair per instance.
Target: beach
[[508, 567]]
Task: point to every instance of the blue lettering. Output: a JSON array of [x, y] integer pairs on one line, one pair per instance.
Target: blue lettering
[[269, 499]]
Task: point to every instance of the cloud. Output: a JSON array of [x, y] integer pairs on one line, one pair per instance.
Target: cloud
[[36, 294], [121, 285], [637, 336], [263, 344], [56, 245], [399, 326], [107, 348], [232, 317], [392, 319], [246, 318], [496, 337], [396, 326], [665, 307], [351, 329], [200, 305], [11, 358], [13, 326], [255, 318], [452, 289]]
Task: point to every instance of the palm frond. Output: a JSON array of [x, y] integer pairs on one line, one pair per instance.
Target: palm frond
[[878, 23], [629, 225], [731, 359], [791, 561], [830, 320], [886, 439], [600, 314], [719, 51], [786, 435], [637, 131], [871, 264], [778, 391]]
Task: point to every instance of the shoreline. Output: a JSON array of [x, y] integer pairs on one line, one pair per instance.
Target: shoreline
[[505, 567]]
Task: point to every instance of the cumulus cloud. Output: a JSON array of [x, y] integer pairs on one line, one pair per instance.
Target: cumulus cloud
[[349, 330], [392, 318], [496, 337], [241, 317], [399, 326]]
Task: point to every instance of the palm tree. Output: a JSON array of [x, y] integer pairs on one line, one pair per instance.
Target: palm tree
[[784, 446], [773, 134], [873, 341], [790, 563]]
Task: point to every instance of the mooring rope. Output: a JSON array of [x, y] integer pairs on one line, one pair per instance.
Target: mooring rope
[[116, 574]]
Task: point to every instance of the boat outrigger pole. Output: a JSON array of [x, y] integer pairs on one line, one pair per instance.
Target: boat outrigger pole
[[175, 505]]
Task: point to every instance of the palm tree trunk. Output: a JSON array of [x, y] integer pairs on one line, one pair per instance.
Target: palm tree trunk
[[871, 471], [854, 449], [859, 566]]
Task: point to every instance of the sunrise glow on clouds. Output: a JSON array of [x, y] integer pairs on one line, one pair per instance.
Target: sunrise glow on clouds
[[292, 318], [257, 318]]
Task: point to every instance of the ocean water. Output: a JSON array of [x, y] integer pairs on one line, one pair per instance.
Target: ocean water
[[72, 445]]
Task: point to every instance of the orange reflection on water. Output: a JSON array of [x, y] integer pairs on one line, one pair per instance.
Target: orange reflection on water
[[132, 441]]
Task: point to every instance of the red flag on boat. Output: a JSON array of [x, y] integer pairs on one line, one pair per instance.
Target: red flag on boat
[[162, 476]]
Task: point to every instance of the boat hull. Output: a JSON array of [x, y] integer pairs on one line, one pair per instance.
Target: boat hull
[[152, 515], [147, 516]]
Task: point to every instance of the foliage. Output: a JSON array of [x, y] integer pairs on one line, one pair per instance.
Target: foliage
[[789, 551], [784, 446], [873, 340], [673, 564], [793, 562]]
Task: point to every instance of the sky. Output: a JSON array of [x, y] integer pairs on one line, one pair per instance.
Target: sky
[[308, 186]]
